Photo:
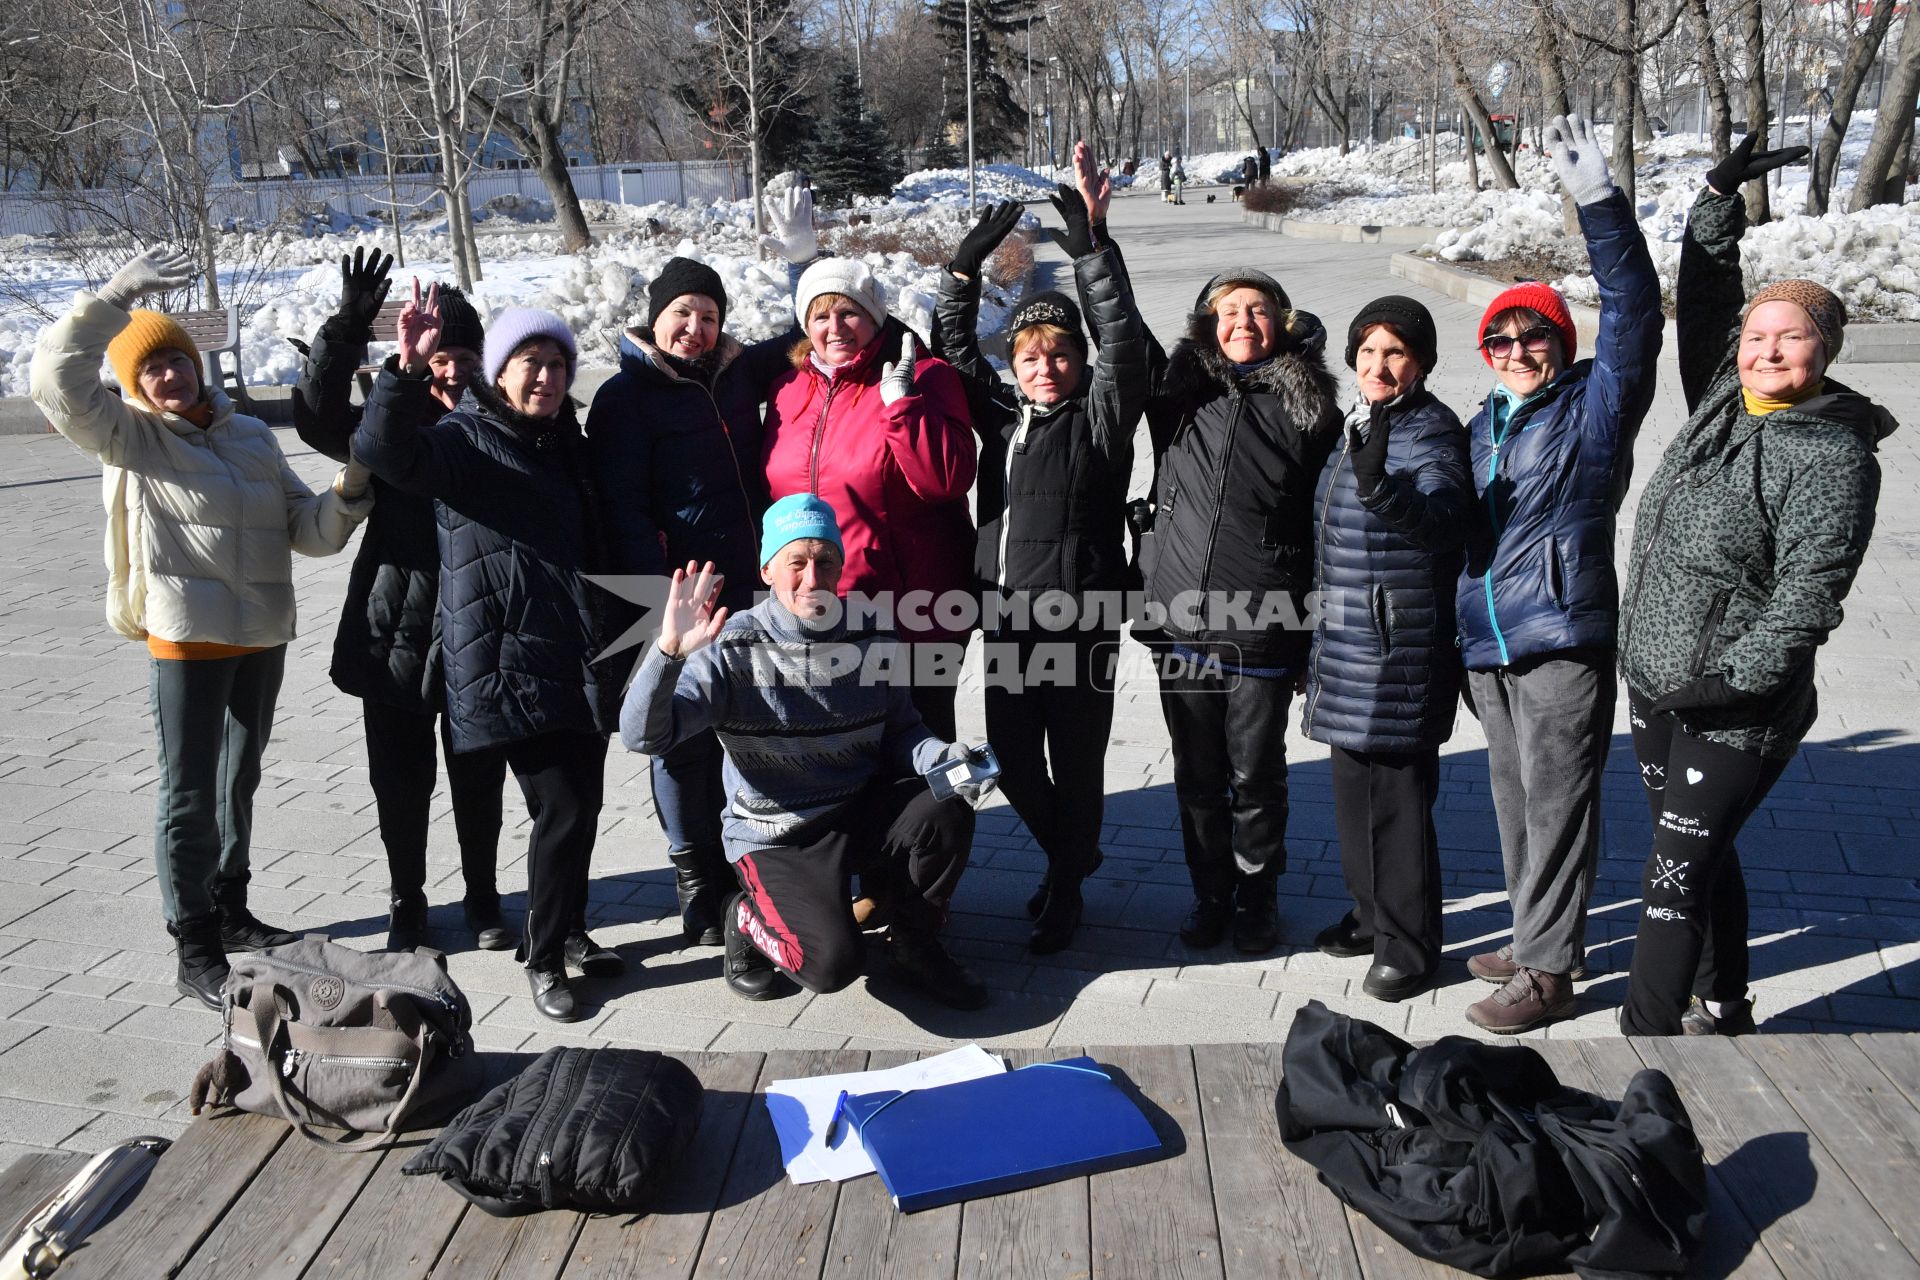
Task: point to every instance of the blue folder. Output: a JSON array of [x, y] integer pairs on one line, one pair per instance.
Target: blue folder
[[1025, 1128]]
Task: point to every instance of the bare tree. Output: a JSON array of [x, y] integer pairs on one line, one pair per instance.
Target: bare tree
[[1861, 50], [1883, 170], [1753, 34], [743, 41], [541, 39], [1471, 103]]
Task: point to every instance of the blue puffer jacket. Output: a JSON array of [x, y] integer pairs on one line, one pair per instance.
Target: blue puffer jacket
[[676, 452], [1384, 674], [519, 526], [1539, 576]]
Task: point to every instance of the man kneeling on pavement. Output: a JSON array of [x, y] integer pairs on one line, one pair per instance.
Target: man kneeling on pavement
[[825, 765]]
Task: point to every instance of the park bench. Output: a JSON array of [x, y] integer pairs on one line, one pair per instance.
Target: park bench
[[217, 334], [383, 328], [1811, 1140]]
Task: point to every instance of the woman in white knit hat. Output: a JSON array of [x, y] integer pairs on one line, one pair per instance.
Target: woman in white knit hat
[[870, 422], [520, 627]]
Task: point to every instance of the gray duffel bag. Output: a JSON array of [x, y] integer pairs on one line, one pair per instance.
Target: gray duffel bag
[[323, 1036]]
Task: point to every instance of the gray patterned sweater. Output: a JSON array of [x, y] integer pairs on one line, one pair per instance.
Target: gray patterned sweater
[[1752, 529], [807, 718]]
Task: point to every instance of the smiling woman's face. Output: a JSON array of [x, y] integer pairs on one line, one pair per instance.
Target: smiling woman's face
[[839, 328], [1781, 354]]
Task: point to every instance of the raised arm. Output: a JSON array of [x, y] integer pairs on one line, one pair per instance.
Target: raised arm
[[958, 310], [680, 689], [324, 415]]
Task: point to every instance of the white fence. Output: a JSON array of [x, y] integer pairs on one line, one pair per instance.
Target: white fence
[[264, 203]]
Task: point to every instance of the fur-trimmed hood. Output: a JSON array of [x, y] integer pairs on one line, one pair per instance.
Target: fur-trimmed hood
[[1298, 374]]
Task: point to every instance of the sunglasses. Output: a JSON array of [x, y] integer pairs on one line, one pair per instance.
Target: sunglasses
[[1537, 339]]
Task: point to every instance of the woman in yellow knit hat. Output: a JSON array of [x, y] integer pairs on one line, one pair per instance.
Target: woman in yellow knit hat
[[203, 515]]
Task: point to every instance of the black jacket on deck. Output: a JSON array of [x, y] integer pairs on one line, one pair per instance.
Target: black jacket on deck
[[1052, 488], [676, 452], [519, 523], [385, 649], [1236, 461], [1475, 1156], [1385, 670]]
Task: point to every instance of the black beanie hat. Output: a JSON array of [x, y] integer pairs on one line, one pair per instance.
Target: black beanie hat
[[1243, 277], [1408, 318], [680, 277], [459, 323], [1050, 307]]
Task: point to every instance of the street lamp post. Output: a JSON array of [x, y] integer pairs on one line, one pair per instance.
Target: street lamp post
[[972, 199]]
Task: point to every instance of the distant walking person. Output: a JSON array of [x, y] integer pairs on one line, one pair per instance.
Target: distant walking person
[[1749, 535], [203, 518], [1538, 603], [386, 652]]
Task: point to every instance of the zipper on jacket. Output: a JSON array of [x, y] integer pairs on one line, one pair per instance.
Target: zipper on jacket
[[819, 435], [746, 500], [1320, 569], [1632, 607], [555, 1105], [1493, 514], [545, 1164], [1708, 630], [1220, 490], [1006, 501]]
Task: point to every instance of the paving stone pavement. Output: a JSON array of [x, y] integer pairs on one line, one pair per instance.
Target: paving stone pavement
[[95, 1045]]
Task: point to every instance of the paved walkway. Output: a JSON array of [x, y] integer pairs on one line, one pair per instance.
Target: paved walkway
[[95, 1045]]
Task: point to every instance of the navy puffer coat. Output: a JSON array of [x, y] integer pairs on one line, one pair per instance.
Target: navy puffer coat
[[1552, 472], [1385, 672], [519, 526]]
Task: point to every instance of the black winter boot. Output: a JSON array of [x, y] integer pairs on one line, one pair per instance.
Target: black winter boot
[[921, 961], [406, 923], [1256, 915], [241, 930], [203, 961], [702, 880], [484, 921], [1059, 916], [748, 974]]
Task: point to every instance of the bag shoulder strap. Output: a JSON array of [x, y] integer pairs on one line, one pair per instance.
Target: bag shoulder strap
[[268, 1025]]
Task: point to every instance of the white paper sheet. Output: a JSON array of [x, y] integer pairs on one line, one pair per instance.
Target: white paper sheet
[[801, 1109]]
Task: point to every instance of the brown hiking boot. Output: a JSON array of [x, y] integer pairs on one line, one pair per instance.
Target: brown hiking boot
[[1530, 999], [1498, 967]]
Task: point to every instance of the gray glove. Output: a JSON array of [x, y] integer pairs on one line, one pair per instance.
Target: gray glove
[[971, 792], [790, 232], [896, 377], [154, 271], [1577, 159], [353, 479]]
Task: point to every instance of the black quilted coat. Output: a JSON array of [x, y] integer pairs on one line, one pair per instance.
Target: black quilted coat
[[1385, 670], [384, 649], [519, 524]]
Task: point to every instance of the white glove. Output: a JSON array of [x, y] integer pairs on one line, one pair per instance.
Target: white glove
[[896, 377], [790, 232], [1577, 159], [353, 480], [155, 271]]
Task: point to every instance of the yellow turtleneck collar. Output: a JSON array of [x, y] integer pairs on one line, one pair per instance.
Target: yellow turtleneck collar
[[1760, 406]]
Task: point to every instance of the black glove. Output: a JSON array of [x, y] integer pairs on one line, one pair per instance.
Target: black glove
[[1744, 164], [1078, 240], [1707, 693], [1369, 456], [985, 237], [363, 286]]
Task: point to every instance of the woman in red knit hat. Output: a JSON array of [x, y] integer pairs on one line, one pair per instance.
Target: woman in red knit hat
[[1538, 603]]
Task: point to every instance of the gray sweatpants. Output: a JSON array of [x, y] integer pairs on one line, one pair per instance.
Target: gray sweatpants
[[1548, 723]]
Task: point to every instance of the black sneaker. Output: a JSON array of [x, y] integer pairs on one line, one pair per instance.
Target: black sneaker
[[1206, 925], [921, 962], [241, 930], [406, 923], [748, 974], [590, 958]]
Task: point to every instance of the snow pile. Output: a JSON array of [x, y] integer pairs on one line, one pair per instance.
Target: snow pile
[[1511, 221], [991, 182]]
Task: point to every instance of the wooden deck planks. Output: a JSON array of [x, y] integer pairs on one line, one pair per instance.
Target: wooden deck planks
[[29, 1180], [396, 1228], [187, 1194], [767, 1226], [1043, 1232], [1275, 1218], [664, 1244], [872, 1240], [1158, 1219], [534, 1246], [285, 1214], [1858, 1114], [1812, 1220]]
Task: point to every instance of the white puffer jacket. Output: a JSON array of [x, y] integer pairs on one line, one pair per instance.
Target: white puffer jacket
[[201, 522]]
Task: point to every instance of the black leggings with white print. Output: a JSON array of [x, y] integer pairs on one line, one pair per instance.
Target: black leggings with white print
[[1693, 920]]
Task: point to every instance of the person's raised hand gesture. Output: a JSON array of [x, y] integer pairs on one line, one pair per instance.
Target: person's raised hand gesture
[[790, 230], [1096, 185], [691, 618], [978, 245], [363, 286], [1574, 152], [418, 330], [155, 271], [1744, 164]]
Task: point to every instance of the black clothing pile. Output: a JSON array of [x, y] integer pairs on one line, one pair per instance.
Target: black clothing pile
[[1475, 1156]]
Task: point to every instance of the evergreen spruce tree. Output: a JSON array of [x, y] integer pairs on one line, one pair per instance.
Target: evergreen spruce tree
[[851, 155], [941, 154], [998, 121]]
